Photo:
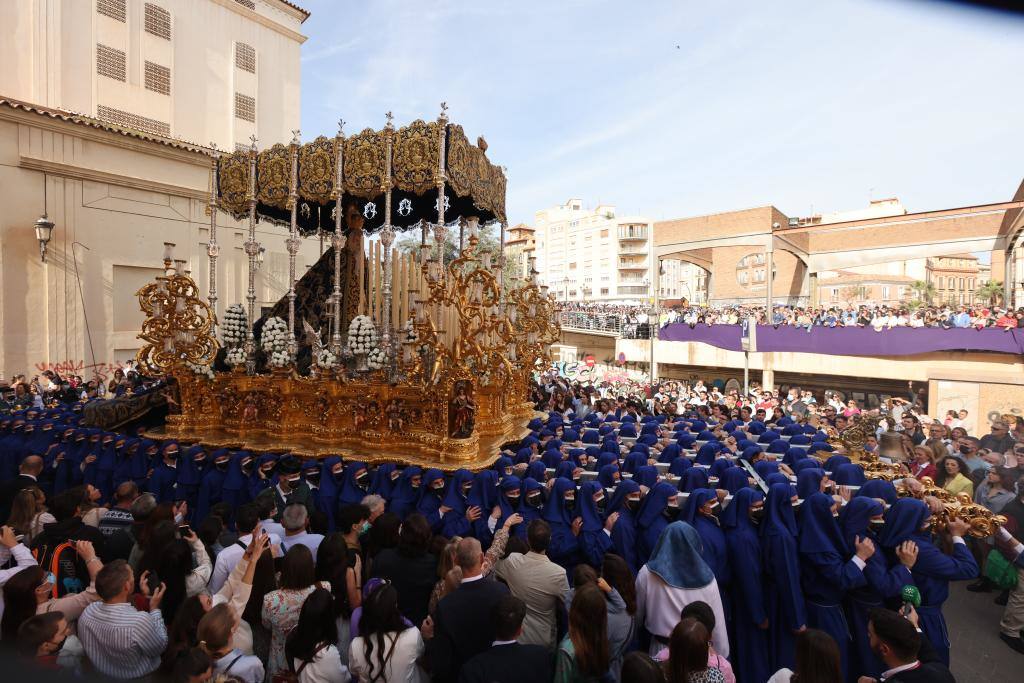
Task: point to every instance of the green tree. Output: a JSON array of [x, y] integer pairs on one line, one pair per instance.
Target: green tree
[[923, 290], [852, 293], [409, 243], [990, 291]]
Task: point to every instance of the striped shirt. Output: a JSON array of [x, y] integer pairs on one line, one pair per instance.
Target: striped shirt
[[120, 641]]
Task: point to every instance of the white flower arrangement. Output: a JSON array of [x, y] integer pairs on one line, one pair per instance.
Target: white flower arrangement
[[376, 359], [200, 370], [326, 360], [411, 336], [235, 356], [279, 359], [274, 338], [235, 327], [362, 335]]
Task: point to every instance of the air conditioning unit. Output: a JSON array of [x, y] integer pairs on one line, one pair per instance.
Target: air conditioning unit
[[793, 222]]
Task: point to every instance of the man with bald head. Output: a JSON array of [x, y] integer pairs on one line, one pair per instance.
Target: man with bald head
[[28, 475], [463, 626]]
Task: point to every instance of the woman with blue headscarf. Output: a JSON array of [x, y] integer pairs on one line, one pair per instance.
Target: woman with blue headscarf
[[909, 520], [164, 481], [236, 482], [750, 613], [609, 476], [861, 518], [211, 484], [810, 481], [670, 453], [483, 496], [679, 465], [660, 506], [593, 541], [825, 572], [429, 504], [510, 490], [407, 493], [878, 488], [734, 479], [385, 478], [454, 506], [675, 576], [355, 483], [190, 473], [263, 477], [531, 505], [634, 461], [693, 479], [781, 563], [626, 502], [646, 476], [559, 513], [707, 453], [701, 511]]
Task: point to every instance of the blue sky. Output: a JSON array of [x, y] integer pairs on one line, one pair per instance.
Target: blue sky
[[674, 109]]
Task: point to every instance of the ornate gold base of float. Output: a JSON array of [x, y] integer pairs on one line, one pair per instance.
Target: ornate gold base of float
[[357, 419]]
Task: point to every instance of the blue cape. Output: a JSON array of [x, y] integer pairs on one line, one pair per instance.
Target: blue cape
[[677, 558]]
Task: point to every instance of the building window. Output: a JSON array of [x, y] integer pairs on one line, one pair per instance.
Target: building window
[[251, 4], [940, 282], [133, 121], [572, 266], [885, 293], [245, 107], [604, 291], [115, 9], [158, 21], [110, 62], [158, 78], [961, 283], [604, 233], [245, 57]]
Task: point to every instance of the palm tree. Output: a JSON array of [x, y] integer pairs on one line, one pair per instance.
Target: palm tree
[[991, 291], [924, 290]]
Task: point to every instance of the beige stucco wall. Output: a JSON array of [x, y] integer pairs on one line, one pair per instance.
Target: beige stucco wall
[[119, 198]]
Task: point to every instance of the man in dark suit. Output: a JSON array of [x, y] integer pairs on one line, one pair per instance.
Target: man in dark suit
[[507, 661], [28, 475], [898, 643], [462, 626]]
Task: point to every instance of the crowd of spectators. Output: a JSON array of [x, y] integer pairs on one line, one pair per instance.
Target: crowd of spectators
[[635, 320], [670, 533]]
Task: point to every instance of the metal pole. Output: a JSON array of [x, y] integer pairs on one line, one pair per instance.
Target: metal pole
[[746, 373], [338, 240], [292, 244], [212, 248], [387, 236], [252, 248]]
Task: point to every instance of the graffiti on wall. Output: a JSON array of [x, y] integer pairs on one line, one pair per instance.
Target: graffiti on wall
[[100, 371]]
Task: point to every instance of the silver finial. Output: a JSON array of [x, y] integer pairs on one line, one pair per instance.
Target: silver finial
[[252, 147], [295, 137]]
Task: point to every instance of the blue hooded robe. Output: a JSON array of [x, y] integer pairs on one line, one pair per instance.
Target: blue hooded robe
[[906, 520], [750, 645], [781, 564], [827, 571]]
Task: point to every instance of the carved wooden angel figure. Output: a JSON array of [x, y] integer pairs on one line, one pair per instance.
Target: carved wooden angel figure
[[313, 339]]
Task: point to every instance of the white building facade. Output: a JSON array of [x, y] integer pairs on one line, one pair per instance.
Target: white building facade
[[197, 70], [594, 255], [94, 140]]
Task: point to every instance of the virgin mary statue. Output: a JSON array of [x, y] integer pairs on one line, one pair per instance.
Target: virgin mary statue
[[314, 289]]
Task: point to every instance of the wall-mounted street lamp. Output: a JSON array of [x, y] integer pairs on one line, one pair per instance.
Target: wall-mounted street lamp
[[43, 227]]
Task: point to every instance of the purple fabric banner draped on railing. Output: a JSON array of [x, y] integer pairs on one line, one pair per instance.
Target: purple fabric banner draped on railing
[[853, 341], [722, 336]]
